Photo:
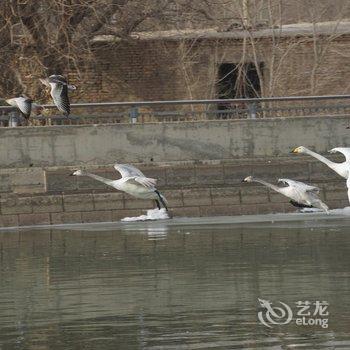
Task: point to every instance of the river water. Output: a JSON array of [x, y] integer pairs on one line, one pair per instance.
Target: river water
[[178, 284]]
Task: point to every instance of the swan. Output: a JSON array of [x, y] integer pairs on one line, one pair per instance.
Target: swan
[[59, 91], [23, 103], [301, 194], [133, 182], [342, 169]]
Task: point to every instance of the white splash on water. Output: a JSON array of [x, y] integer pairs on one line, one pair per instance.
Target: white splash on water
[[343, 211], [152, 214], [340, 211]]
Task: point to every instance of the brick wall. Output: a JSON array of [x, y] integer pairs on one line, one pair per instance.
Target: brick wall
[[159, 70]]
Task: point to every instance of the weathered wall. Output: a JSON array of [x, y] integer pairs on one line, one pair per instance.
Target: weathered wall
[[167, 142], [192, 189], [165, 69], [199, 166]]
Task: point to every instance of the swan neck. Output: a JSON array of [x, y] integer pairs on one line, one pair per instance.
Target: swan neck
[[320, 158], [267, 184], [99, 178]]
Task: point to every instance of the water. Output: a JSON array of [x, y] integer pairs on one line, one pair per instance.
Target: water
[[176, 284]]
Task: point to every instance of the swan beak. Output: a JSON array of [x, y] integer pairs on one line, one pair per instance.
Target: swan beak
[[244, 180], [295, 150], [71, 174]]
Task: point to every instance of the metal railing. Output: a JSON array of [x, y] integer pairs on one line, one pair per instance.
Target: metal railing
[[183, 110]]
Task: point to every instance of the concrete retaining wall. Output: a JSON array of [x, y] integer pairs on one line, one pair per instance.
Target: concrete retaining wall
[[167, 142], [199, 167], [191, 189]]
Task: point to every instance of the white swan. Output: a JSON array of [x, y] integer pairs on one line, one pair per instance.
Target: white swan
[[301, 194], [133, 182], [342, 169]]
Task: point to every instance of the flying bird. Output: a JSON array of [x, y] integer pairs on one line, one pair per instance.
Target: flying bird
[[59, 91], [301, 195], [23, 103], [133, 182]]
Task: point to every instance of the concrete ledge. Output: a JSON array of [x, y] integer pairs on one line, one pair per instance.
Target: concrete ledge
[[113, 206]]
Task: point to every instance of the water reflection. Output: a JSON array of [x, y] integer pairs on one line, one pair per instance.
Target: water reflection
[[170, 287], [157, 233]]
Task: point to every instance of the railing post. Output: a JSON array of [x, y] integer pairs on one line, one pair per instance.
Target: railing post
[[13, 119], [134, 113], [252, 110]]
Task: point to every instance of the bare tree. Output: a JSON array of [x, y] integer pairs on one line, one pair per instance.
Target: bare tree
[[45, 37]]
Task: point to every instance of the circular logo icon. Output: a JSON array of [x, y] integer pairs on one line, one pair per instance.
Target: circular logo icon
[[274, 315]]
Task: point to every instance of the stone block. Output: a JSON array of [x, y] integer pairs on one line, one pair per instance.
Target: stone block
[[192, 211], [66, 218], [34, 219], [47, 204], [174, 198], [269, 170], [220, 210], [251, 194], [234, 174], [97, 216], [5, 183], [16, 205], [249, 209], [277, 197], [136, 203], [30, 180], [9, 220], [337, 203], [60, 181], [196, 197], [335, 190], [110, 200], [336, 195], [181, 176], [225, 195], [296, 171], [210, 174], [268, 208], [78, 202], [321, 172]]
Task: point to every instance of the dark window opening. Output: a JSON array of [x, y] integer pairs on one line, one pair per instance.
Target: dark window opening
[[238, 81]]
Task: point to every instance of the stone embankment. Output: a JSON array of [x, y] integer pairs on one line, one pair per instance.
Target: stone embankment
[[199, 167]]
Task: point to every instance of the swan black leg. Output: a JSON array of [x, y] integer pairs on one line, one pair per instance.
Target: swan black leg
[[161, 200], [158, 204]]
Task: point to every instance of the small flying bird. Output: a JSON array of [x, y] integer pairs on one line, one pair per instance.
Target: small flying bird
[[59, 91], [133, 182], [23, 103], [300, 194]]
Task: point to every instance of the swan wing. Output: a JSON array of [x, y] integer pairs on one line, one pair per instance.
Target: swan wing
[[24, 105], [127, 170], [344, 150], [300, 185], [59, 93], [144, 181]]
